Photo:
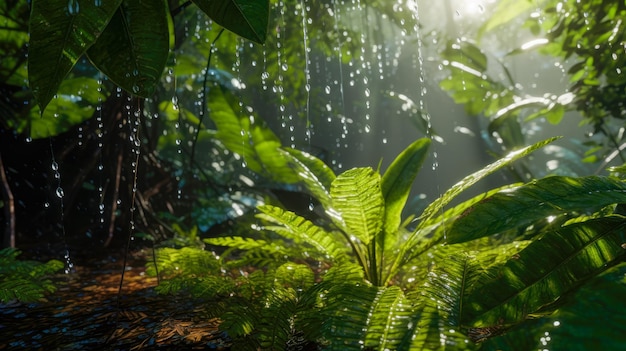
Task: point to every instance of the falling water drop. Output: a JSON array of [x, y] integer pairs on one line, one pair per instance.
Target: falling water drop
[[68, 262], [73, 7], [59, 192]]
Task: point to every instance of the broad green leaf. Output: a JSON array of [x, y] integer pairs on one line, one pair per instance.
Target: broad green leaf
[[133, 49], [294, 227], [60, 33], [547, 270], [397, 180], [249, 137], [523, 205], [506, 11], [438, 205], [75, 103], [358, 198], [247, 18], [466, 56], [577, 316]]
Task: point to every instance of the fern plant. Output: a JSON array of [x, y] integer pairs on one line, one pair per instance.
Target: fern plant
[[462, 275], [25, 281], [449, 279]]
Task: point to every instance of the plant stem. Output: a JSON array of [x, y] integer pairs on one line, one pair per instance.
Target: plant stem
[[9, 208], [204, 96]]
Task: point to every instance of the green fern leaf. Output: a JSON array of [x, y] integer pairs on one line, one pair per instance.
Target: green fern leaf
[[431, 333], [390, 316], [299, 229], [242, 243], [20, 289], [359, 315], [294, 276], [185, 261], [358, 198]]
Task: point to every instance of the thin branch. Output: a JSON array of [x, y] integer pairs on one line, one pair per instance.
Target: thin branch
[[180, 8], [9, 209], [204, 96], [116, 191]]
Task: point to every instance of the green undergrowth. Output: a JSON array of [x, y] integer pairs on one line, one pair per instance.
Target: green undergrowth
[[25, 281]]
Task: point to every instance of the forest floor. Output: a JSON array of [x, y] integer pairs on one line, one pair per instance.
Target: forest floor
[[87, 313]]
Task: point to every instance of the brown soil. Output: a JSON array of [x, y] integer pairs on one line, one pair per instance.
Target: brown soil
[[87, 313]]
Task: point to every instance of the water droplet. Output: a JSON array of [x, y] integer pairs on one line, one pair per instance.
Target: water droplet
[[136, 89], [55, 166], [60, 193], [73, 7], [46, 204]]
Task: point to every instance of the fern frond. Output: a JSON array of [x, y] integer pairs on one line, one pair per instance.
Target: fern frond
[[187, 261], [356, 194], [301, 230], [22, 280], [24, 290]]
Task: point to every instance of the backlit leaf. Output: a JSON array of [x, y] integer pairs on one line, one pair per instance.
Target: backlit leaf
[[247, 18], [547, 270], [133, 49], [60, 33], [521, 206], [358, 198]]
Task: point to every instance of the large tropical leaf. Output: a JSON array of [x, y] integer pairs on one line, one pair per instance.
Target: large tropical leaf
[[296, 228], [539, 199], [505, 12], [397, 180], [358, 198], [578, 317], [76, 102], [547, 270], [249, 137], [133, 49], [435, 230], [60, 33], [438, 205], [247, 18]]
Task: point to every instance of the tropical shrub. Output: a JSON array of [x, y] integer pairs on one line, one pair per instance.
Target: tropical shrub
[[356, 275]]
